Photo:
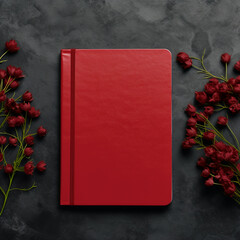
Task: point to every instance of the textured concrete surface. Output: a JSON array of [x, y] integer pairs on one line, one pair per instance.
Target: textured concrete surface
[[42, 28]]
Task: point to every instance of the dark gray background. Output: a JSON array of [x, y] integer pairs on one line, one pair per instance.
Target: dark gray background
[[42, 28]]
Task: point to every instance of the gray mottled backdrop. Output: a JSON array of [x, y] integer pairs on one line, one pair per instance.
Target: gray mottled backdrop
[[42, 28]]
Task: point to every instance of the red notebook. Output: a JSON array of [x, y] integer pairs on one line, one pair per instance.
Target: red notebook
[[116, 144]]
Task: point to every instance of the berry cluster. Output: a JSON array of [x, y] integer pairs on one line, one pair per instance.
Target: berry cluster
[[220, 163], [16, 116]]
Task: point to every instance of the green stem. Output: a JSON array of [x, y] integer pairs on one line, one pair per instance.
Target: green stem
[[32, 134], [226, 71], [1, 85], [4, 159], [4, 55], [5, 89], [4, 120], [236, 182], [219, 134], [237, 194], [18, 98], [3, 192], [234, 136], [217, 184], [7, 193], [235, 199], [5, 133], [19, 157], [203, 69], [29, 126], [24, 189]]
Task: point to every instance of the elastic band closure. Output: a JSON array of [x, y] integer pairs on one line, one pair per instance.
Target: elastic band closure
[[72, 137]]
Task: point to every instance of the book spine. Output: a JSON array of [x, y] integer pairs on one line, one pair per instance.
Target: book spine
[[66, 99]]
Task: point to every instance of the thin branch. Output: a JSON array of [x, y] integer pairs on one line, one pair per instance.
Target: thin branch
[[4, 55], [203, 69], [234, 136], [24, 189], [226, 71], [217, 132], [2, 191]]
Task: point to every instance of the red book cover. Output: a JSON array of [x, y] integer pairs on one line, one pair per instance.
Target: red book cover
[[116, 139]]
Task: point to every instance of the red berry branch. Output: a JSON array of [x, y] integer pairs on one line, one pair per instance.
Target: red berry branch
[[16, 115], [220, 163]]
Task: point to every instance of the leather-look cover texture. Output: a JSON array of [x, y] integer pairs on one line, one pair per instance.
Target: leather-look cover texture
[[116, 139]]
